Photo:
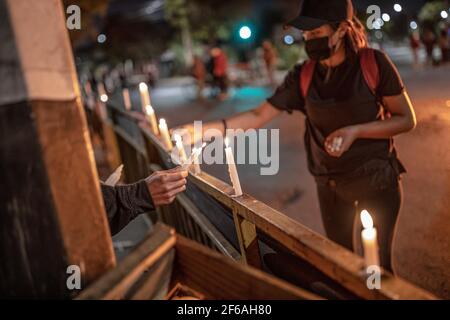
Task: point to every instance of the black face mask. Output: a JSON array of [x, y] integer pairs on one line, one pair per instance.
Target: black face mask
[[318, 49]]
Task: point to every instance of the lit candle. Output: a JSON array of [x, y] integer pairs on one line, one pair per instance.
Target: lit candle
[[232, 169], [196, 169], [88, 88], [165, 134], [196, 152], [180, 147], [102, 105], [369, 240], [145, 96], [151, 118], [101, 89], [126, 99]]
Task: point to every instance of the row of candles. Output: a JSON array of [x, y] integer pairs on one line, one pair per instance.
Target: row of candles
[[162, 131], [368, 234]]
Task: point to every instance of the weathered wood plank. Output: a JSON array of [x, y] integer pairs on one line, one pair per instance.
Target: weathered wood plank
[[115, 283], [221, 278], [335, 261], [51, 213]]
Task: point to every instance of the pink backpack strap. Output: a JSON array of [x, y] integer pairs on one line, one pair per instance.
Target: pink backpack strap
[[370, 69], [306, 75]]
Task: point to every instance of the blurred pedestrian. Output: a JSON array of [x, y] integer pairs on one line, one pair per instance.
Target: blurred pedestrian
[[220, 69], [199, 73], [270, 59], [444, 45], [355, 103], [414, 42], [429, 41]]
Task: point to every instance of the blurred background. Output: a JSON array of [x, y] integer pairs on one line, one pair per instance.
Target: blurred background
[[178, 47]]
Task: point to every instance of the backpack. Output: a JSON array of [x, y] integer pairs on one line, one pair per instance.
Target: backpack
[[369, 69]]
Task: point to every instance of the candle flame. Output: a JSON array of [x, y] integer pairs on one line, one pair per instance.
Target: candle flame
[[149, 109], [143, 86], [366, 219]]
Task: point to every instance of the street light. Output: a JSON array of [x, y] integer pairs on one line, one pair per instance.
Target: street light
[[413, 25], [377, 24], [398, 8], [288, 39], [101, 38], [245, 32]]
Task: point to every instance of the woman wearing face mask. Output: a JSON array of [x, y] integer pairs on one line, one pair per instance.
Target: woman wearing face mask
[[352, 114]]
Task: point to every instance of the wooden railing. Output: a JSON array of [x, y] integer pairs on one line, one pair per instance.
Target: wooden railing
[[246, 229]]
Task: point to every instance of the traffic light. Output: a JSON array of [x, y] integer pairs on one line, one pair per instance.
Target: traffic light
[[245, 32]]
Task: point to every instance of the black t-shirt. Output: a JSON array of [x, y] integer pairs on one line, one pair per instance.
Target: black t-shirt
[[341, 101], [288, 96]]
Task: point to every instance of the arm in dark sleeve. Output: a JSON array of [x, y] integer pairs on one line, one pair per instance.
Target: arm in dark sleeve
[[391, 83], [287, 96], [124, 203]]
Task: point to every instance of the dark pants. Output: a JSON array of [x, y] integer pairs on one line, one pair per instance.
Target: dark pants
[[221, 83], [342, 201]]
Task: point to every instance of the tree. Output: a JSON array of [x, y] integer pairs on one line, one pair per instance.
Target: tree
[[178, 15], [430, 14], [92, 16], [209, 20]]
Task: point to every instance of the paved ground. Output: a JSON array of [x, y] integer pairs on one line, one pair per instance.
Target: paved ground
[[422, 247]]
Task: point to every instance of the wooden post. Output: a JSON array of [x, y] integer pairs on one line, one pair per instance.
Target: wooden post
[[248, 241], [51, 209]]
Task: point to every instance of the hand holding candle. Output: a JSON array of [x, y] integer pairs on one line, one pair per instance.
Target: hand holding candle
[[232, 170], [369, 240]]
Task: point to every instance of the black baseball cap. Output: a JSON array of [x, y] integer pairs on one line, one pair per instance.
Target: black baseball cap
[[315, 13]]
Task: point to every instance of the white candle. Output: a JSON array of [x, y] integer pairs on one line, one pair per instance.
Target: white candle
[[88, 88], [101, 89], [369, 240], [126, 99], [103, 112], [196, 165], [165, 134], [151, 118], [232, 170], [180, 147], [145, 96], [195, 154]]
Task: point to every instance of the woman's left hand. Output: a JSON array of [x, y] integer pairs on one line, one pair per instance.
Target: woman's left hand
[[337, 143]]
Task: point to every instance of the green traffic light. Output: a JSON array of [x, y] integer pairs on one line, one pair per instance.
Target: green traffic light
[[245, 32]]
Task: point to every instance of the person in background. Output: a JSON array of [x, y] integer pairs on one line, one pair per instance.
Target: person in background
[[124, 203], [414, 42], [444, 45], [220, 69], [350, 123], [199, 73], [429, 41], [270, 59]]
